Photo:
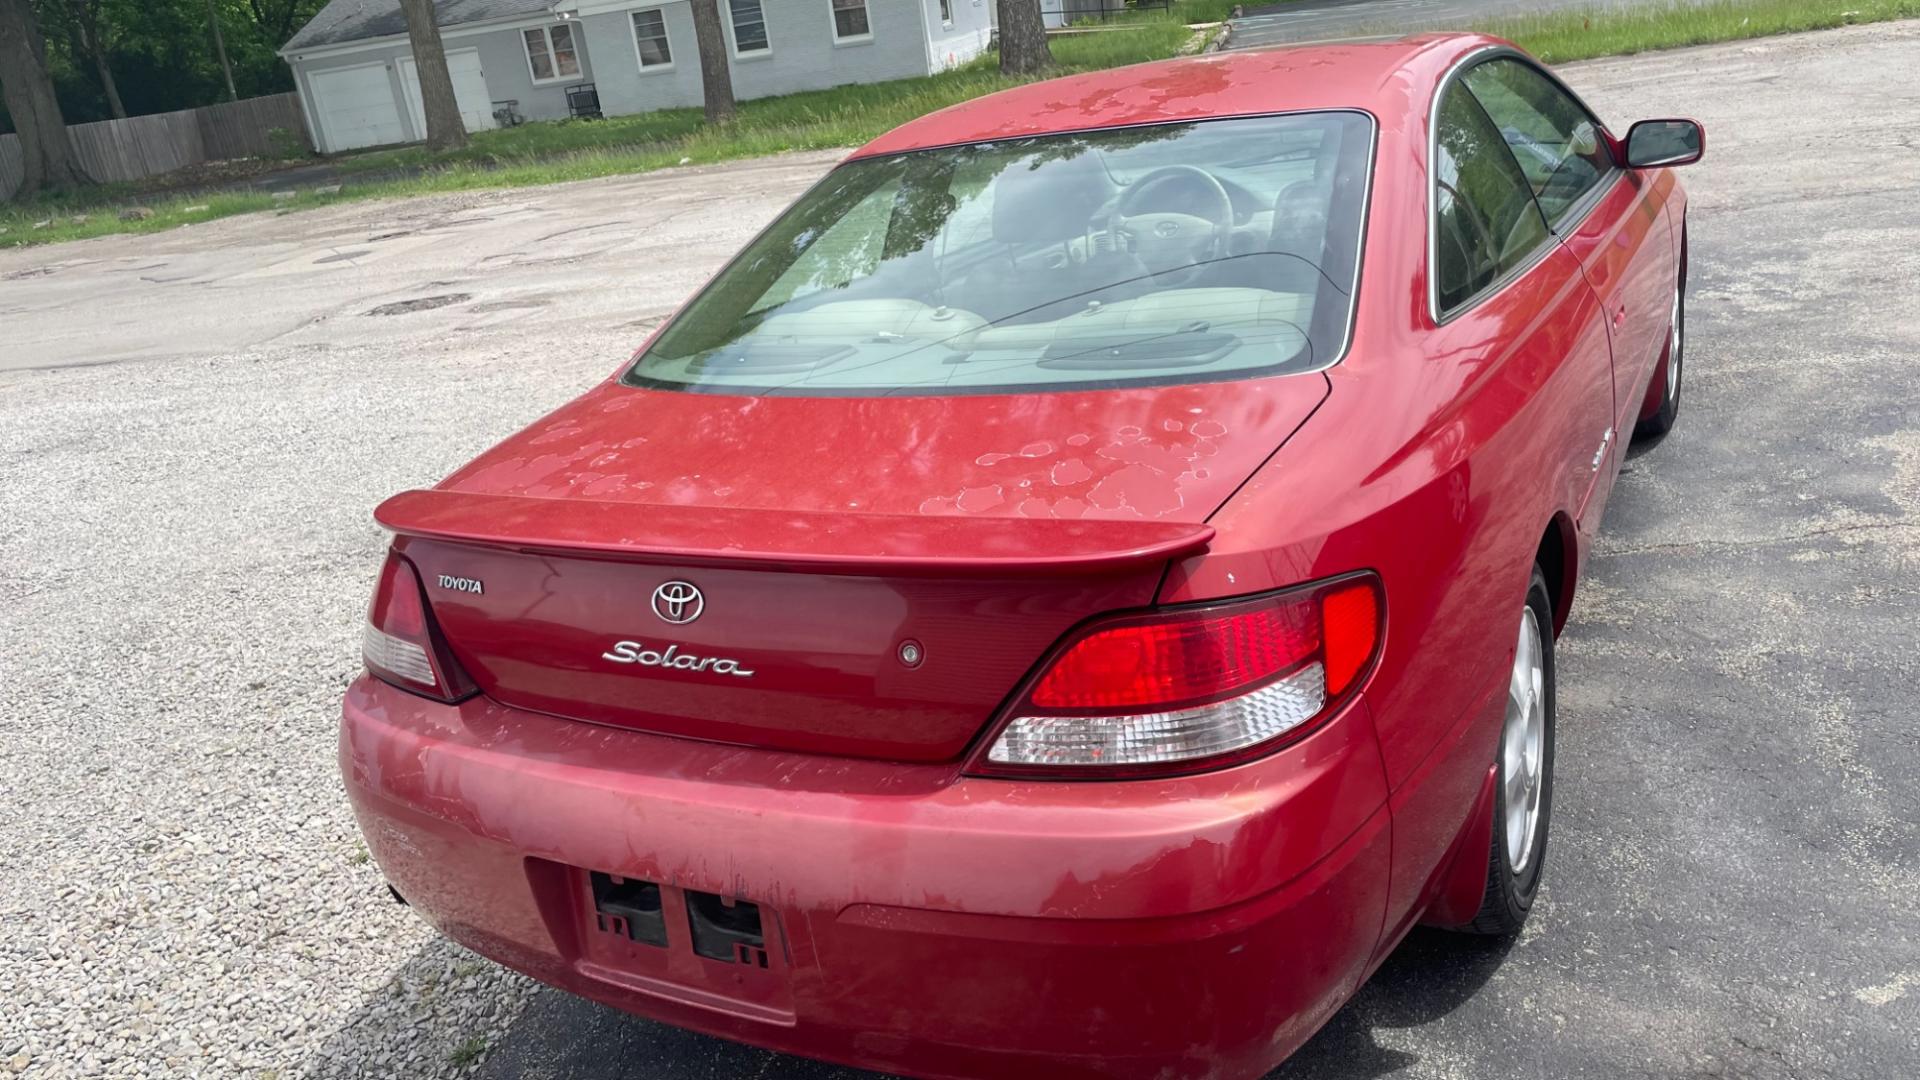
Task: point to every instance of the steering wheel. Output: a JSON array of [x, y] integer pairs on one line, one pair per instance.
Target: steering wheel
[[1174, 245]]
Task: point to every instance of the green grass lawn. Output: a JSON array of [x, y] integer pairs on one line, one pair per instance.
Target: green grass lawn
[[545, 153], [1561, 37]]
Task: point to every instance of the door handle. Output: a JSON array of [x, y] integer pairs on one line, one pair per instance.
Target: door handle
[[1620, 316]]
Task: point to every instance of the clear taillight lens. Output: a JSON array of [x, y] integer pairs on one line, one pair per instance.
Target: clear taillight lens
[[399, 643], [1182, 689], [396, 659]]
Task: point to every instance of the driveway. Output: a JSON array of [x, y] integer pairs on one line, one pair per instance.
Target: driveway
[[194, 426], [565, 271]]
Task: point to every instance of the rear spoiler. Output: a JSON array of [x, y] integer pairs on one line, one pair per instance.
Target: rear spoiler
[[788, 540]]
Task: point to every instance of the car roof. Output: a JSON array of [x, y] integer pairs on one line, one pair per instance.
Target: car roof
[[1369, 74]]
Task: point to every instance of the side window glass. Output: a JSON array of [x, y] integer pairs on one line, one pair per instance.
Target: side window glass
[[1485, 219], [1557, 144]]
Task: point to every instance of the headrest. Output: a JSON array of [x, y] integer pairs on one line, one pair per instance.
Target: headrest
[[1300, 218], [1051, 203]]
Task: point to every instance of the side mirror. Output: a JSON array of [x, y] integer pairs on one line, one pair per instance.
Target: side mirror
[[1655, 144]]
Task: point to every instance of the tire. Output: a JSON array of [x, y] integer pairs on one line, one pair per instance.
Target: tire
[[1514, 868], [1671, 372]]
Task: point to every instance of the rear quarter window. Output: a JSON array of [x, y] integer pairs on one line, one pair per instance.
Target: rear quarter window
[[1555, 141], [1485, 220]]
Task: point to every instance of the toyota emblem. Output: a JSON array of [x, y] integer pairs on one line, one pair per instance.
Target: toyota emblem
[[678, 602]]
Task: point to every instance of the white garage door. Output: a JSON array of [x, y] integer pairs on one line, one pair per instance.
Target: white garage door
[[356, 107], [469, 90]]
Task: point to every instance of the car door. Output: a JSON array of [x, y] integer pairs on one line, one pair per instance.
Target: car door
[[1608, 218], [1521, 334]]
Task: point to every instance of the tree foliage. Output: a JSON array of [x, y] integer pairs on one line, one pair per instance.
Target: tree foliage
[[161, 53]]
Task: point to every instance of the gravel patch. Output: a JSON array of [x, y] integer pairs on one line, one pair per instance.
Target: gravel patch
[[185, 554]]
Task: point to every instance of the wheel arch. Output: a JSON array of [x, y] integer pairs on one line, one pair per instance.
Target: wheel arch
[[1557, 556]]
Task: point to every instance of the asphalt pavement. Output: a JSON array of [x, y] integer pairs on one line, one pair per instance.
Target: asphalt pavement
[[195, 424]]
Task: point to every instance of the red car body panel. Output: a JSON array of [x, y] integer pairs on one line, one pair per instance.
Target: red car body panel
[[923, 920], [946, 513], [823, 646], [793, 542], [901, 892], [1138, 453], [1624, 248]]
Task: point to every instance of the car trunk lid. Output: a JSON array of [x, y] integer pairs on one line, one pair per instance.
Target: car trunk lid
[[850, 600]]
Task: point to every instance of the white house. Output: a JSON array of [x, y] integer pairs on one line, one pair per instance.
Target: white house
[[547, 59]]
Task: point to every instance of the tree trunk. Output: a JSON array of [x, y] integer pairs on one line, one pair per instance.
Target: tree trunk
[[1023, 38], [106, 83], [46, 155], [220, 47], [716, 77], [85, 39], [445, 129]]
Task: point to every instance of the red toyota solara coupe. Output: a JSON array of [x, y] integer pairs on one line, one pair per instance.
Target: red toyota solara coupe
[[1070, 595]]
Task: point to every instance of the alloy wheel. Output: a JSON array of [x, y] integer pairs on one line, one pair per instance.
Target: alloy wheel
[[1523, 744], [1673, 348]]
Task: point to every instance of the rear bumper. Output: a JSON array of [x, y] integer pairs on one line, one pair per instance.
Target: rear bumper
[[918, 921]]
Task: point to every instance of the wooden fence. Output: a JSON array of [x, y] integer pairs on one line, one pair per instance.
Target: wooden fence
[[11, 169], [143, 146], [244, 128]]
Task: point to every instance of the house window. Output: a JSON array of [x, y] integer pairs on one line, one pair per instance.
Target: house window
[[749, 26], [946, 11], [551, 53], [850, 20], [650, 37]]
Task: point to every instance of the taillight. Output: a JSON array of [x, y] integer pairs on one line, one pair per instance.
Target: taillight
[[400, 644], [1183, 689]]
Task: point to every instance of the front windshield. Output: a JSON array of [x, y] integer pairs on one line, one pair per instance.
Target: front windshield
[[1184, 252]]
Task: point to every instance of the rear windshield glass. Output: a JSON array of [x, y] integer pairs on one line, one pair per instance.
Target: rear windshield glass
[[1173, 253]]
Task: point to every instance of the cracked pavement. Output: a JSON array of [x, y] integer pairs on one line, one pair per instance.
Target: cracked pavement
[[194, 426], [582, 267]]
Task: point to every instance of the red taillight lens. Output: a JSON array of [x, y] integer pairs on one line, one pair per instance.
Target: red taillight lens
[[1182, 689], [1162, 663], [399, 642], [1350, 620]]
